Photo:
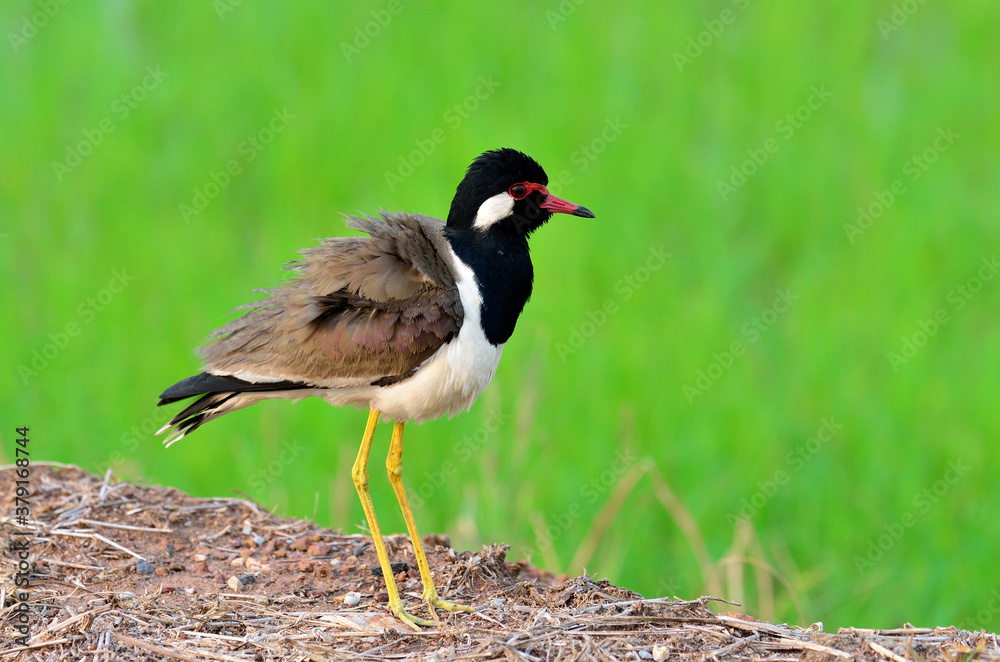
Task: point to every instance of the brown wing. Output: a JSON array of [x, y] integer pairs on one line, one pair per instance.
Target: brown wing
[[361, 310]]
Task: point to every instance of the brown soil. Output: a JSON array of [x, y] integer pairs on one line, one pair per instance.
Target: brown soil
[[128, 572]]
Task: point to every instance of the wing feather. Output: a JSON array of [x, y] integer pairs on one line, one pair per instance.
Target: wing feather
[[360, 309]]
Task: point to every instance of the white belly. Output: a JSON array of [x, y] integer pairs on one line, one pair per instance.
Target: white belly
[[446, 385], [451, 380]]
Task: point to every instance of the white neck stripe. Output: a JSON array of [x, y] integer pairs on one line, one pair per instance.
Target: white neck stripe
[[495, 209]]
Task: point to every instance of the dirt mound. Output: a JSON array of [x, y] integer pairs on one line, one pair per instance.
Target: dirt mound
[[128, 572]]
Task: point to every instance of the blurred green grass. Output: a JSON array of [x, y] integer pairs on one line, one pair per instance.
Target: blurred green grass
[[542, 443]]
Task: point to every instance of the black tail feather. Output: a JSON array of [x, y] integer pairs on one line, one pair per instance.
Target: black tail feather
[[208, 383], [207, 402], [215, 391]]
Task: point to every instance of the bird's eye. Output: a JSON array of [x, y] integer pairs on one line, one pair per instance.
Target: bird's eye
[[518, 191]]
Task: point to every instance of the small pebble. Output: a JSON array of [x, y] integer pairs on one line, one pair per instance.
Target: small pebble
[[660, 653], [189, 591], [258, 540], [318, 549], [396, 568], [237, 561], [248, 579], [235, 584], [247, 529], [352, 599], [646, 655], [198, 558], [358, 550], [144, 567], [127, 599], [498, 602]]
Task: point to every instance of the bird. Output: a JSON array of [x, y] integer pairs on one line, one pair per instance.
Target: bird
[[408, 322]]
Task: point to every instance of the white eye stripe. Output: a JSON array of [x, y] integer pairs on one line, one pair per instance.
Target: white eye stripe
[[493, 210]]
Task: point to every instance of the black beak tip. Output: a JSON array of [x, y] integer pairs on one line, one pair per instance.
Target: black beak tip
[[584, 212]]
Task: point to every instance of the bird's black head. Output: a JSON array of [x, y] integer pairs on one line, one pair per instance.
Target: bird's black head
[[504, 192], [502, 200]]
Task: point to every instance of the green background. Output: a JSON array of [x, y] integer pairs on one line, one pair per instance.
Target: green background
[[645, 114]]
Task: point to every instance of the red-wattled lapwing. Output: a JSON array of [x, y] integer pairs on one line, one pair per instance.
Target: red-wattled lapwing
[[409, 322]]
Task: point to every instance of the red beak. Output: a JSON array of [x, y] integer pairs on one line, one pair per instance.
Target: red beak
[[560, 206]]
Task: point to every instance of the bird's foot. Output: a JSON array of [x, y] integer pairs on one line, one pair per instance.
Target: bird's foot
[[408, 619], [434, 601]]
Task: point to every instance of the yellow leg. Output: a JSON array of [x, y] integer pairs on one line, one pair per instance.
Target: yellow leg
[[360, 476], [394, 466]]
